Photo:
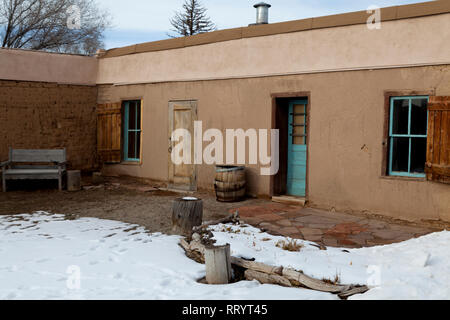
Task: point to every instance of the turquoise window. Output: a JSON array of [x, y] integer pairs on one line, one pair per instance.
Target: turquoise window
[[132, 130], [408, 136]]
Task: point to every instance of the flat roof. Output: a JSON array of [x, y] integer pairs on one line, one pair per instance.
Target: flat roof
[[338, 20], [18, 50]]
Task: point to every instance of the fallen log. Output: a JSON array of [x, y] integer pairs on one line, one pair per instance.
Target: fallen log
[[193, 246], [194, 250], [257, 266], [276, 275], [353, 291], [303, 280], [184, 244], [198, 247], [233, 218], [265, 278]]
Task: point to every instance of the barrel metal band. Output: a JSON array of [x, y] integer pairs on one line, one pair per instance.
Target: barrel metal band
[[230, 169]]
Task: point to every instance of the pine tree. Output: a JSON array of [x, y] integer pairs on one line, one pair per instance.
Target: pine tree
[[192, 19]]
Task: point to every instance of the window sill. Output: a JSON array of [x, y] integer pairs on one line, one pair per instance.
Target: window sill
[[417, 179], [131, 163]]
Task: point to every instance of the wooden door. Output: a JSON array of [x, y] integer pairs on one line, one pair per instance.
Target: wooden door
[[297, 148], [182, 115]]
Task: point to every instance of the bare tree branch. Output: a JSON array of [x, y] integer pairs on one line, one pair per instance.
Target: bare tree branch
[[44, 25]]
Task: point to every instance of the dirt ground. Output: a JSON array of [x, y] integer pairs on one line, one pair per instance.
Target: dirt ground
[[122, 199], [147, 203]]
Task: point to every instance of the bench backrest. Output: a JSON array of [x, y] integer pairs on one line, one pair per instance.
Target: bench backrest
[[56, 155]]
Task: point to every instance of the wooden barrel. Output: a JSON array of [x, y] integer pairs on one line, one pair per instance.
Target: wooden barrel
[[230, 183]]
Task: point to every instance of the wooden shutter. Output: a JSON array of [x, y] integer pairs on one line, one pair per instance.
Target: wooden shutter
[[438, 152], [109, 132]]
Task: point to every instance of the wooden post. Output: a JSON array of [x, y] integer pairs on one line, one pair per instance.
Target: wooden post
[[60, 182], [73, 180], [187, 213], [218, 264]]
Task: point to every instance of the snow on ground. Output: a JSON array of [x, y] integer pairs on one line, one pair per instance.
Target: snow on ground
[[116, 261], [414, 269], [40, 255]]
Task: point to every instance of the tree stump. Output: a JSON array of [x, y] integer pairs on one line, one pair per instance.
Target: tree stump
[[186, 214], [218, 264]]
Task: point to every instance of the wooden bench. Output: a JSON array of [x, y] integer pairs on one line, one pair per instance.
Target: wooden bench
[[34, 165]]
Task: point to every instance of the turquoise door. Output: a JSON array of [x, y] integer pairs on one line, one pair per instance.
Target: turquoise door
[[297, 148]]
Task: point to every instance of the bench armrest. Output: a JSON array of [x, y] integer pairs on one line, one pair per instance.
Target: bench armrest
[[61, 165], [4, 164]]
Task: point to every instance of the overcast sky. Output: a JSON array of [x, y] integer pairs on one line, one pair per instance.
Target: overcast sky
[[137, 21]]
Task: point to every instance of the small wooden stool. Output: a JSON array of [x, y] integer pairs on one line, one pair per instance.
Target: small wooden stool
[[73, 180]]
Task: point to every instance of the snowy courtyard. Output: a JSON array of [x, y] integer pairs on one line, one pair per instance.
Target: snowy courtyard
[[46, 256]]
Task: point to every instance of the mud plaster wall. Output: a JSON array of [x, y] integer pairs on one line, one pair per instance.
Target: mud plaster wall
[[346, 134], [37, 115]]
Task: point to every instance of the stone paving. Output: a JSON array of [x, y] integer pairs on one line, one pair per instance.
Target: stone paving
[[330, 229]]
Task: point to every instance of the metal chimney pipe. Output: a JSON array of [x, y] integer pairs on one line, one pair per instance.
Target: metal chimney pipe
[[262, 13]]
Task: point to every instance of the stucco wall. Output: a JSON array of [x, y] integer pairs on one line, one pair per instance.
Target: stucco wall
[[346, 134], [47, 67], [417, 41]]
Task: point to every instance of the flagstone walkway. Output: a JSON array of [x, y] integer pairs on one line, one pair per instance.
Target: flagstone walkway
[[331, 229]]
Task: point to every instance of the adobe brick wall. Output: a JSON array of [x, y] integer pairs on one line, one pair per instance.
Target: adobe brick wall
[[37, 115]]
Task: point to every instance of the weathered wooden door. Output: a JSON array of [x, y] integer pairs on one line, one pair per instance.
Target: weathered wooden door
[[182, 115], [297, 148]]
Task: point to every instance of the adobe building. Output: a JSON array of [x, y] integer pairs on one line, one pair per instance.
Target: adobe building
[[363, 113]]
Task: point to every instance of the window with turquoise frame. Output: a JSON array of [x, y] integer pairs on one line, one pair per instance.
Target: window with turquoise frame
[[132, 131], [408, 136]]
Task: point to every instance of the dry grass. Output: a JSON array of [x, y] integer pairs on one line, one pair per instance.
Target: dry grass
[[229, 229], [291, 245], [335, 281]]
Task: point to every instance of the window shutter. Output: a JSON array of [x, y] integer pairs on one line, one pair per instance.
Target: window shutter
[[438, 151], [109, 132]]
